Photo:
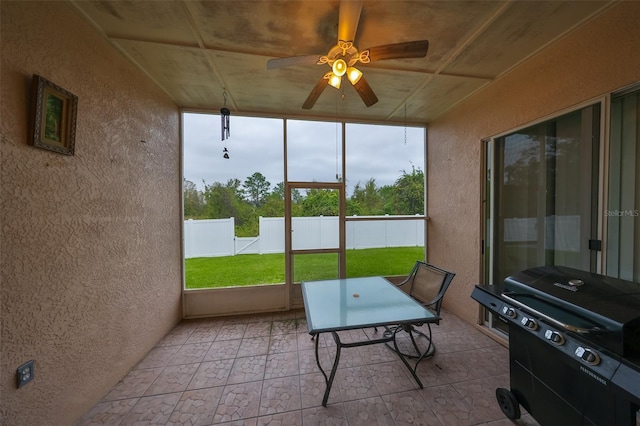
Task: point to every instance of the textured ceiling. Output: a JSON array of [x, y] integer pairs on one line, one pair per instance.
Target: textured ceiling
[[198, 50]]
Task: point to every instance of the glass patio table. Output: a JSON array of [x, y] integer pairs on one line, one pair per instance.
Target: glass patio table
[[355, 303]]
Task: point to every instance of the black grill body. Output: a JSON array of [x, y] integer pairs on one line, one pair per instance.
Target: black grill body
[[574, 346]]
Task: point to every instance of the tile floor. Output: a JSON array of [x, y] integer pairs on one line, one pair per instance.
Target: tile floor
[[261, 370]]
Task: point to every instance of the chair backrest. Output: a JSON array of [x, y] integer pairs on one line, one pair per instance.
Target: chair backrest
[[428, 285]]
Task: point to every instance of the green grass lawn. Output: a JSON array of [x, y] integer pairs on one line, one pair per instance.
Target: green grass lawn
[[251, 269]]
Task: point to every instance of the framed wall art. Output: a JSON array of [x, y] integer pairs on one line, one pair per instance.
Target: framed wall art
[[54, 117]]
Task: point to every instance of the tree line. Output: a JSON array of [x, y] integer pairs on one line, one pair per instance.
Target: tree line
[[247, 200]]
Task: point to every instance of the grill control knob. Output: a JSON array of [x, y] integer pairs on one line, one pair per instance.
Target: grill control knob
[[530, 323], [554, 337], [588, 356], [510, 312]]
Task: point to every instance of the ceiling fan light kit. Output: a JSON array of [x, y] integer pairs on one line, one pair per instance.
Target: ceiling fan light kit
[[334, 80], [343, 56], [339, 67], [354, 74]]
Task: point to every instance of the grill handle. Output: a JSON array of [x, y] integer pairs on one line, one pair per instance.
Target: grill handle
[[552, 320]]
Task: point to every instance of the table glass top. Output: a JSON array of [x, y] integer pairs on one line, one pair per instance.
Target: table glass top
[[357, 303]]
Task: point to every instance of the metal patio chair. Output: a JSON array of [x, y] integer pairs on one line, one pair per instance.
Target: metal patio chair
[[427, 285]]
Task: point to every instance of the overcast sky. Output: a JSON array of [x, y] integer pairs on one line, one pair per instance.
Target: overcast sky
[[255, 145]]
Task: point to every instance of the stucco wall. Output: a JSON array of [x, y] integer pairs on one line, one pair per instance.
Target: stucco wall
[[90, 244], [600, 57]]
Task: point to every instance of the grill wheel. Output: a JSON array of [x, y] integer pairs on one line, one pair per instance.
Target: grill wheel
[[508, 403]]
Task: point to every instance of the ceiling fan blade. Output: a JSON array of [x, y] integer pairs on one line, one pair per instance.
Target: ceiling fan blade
[[292, 60], [409, 49], [315, 93], [366, 92], [348, 19]]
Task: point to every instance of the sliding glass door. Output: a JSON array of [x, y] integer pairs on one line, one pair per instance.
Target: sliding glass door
[[545, 195], [540, 198]]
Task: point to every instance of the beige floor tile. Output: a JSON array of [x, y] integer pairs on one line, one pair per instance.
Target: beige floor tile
[[191, 353], [284, 326], [108, 413], [225, 349], [204, 334], [253, 346], [332, 415], [160, 356], [280, 395], [480, 395], [409, 408], [355, 383], [174, 378], [283, 343], [134, 384], [196, 407], [292, 418], [281, 365], [248, 369], [305, 342], [375, 354], [211, 373], [391, 377], [241, 422], [238, 402], [308, 364], [231, 332], [258, 329], [261, 370], [152, 410], [312, 388], [449, 405], [177, 336], [368, 411]]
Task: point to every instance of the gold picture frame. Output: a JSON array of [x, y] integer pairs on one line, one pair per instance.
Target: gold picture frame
[[54, 117]]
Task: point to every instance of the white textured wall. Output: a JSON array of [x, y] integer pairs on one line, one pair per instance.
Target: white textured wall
[[90, 244], [600, 57]]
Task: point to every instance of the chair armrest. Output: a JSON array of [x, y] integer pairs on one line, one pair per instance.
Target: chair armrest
[[405, 281], [411, 275]]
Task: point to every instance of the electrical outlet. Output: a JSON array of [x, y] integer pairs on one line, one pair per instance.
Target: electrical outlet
[[25, 373]]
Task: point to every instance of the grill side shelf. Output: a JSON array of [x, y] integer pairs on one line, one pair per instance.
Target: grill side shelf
[[486, 298]]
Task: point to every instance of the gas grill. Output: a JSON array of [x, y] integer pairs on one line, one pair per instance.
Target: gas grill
[[574, 345]]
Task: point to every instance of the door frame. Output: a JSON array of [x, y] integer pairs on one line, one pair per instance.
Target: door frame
[[294, 295]]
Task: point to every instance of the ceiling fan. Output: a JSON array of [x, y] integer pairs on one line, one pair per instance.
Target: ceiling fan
[[343, 57]]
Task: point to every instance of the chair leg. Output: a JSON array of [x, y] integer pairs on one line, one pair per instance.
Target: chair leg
[[431, 348], [413, 341]]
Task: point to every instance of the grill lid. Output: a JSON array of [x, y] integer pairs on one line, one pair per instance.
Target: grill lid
[[611, 303]]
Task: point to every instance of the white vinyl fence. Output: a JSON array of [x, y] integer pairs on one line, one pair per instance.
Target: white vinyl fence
[[216, 237]]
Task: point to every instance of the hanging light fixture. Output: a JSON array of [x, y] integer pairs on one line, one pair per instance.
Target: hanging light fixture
[[354, 74], [335, 81], [339, 67]]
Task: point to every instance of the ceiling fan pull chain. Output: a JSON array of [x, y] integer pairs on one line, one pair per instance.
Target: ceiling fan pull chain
[[405, 123]]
